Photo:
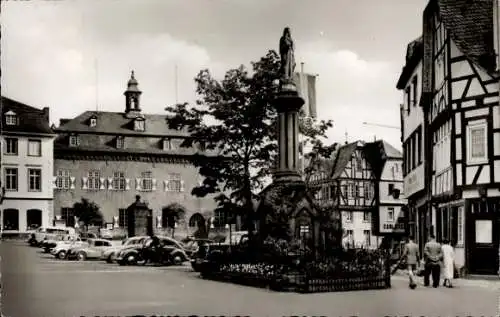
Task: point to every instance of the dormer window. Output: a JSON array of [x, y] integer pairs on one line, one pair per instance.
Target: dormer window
[[93, 121], [10, 118], [167, 144], [74, 140], [139, 124], [120, 142]]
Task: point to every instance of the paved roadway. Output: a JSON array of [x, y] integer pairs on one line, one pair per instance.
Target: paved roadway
[[35, 284]]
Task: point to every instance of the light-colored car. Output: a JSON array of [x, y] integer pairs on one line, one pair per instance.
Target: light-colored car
[[93, 250], [110, 254], [49, 244], [60, 251], [45, 233]]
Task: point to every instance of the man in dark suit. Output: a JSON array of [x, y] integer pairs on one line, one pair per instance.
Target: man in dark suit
[[433, 255]]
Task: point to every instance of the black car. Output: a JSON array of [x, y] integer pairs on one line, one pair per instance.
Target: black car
[[167, 251]]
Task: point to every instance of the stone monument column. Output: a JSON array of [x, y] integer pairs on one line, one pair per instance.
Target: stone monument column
[[287, 104]]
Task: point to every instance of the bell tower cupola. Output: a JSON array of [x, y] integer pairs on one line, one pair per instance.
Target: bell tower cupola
[[132, 95]]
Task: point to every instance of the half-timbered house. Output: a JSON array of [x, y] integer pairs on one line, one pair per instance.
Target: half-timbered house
[[364, 183], [390, 217], [353, 192], [461, 102]]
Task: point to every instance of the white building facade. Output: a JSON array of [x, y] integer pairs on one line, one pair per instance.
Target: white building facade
[[27, 167]]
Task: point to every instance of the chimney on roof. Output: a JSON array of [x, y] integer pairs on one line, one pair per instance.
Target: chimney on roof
[[46, 113], [63, 121]]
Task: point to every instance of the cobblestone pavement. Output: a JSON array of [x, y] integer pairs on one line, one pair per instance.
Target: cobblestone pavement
[[35, 284]]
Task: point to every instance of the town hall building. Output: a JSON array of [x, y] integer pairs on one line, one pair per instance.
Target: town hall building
[[110, 157]]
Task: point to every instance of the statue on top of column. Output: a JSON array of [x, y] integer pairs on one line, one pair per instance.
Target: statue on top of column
[[287, 56]]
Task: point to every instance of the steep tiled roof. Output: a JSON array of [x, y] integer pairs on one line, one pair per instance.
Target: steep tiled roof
[[390, 151], [378, 152], [414, 53], [30, 119], [344, 155], [470, 24], [117, 123]]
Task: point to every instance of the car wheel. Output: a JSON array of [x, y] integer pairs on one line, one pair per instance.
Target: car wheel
[[81, 256], [131, 259], [61, 255], [177, 259], [110, 258]]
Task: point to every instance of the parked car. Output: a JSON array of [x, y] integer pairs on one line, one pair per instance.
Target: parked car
[[93, 250], [48, 244], [169, 251], [62, 248], [209, 248], [46, 233], [110, 254], [200, 249]]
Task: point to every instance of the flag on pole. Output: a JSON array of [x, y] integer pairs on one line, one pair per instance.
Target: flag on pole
[[306, 85]]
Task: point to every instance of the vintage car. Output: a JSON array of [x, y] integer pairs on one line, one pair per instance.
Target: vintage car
[[47, 233], [169, 251], [48, 244], [60, 251], [93, 250], [110, 254], [207, 248]]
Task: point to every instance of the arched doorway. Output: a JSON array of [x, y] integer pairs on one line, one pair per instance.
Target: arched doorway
[[196, 220], [11, 219], [197, 225], [33, 218], [172, 214]]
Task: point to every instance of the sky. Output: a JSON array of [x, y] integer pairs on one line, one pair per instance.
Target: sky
[[74, 56]]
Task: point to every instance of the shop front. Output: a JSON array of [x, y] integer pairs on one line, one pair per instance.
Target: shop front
[[482, 235]]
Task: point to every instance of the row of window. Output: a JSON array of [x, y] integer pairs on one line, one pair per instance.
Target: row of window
[[391, 216], [412, 151], [220, 219], [166, 144], [349, 215], [34, 179], [95, 181], [350, 238], [350, 190], [12, 147], [10, 219]]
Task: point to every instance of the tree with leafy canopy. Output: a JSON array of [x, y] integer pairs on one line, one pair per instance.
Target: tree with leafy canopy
[[234, 124], [88, 212]]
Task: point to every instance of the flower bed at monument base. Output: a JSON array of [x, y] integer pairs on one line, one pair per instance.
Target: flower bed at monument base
[[356, 271]]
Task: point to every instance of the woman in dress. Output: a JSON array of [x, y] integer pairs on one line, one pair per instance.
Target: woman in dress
[[448, 263]]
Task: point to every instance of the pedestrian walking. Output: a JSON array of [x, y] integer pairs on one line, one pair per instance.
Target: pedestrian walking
[[433, 255], [448, 263], [412, 256]]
